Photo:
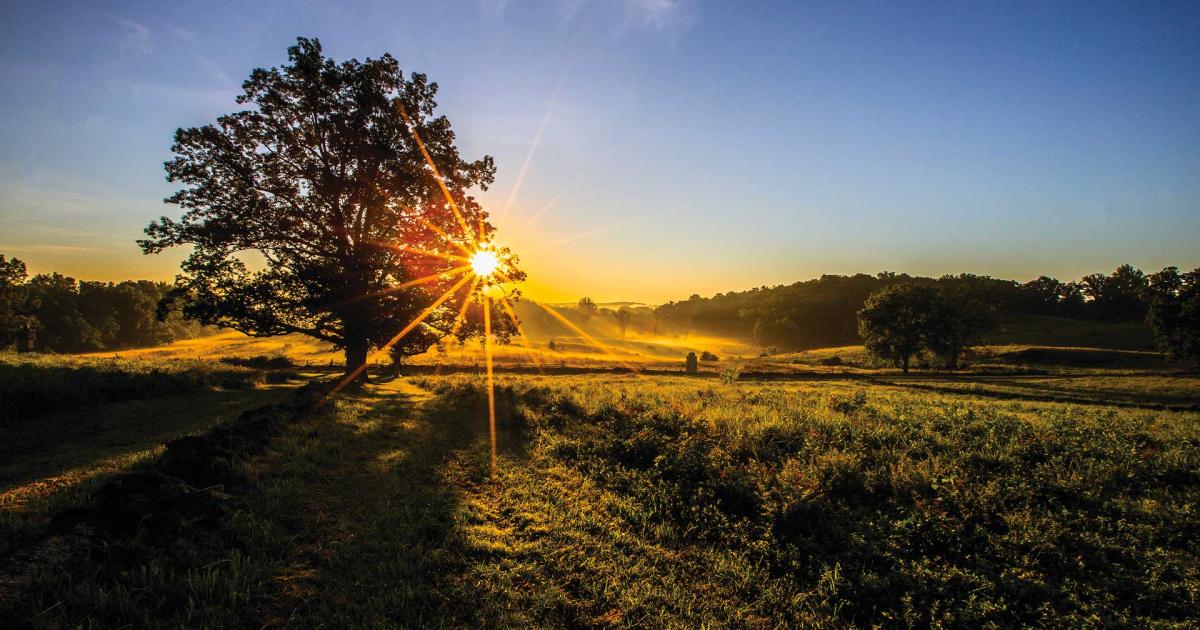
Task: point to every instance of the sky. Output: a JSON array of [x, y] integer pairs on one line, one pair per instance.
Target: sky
[[668, 147]]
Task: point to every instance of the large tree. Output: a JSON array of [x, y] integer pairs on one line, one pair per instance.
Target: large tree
[[894, 322], [349, 188], [956, 319]]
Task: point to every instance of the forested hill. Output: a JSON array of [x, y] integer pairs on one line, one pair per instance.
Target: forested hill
[[823, 312]]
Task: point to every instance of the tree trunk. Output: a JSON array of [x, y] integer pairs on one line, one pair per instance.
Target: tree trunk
[[904, 364], [356, 359]]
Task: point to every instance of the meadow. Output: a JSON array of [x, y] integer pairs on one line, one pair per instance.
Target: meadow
[[852, 496]]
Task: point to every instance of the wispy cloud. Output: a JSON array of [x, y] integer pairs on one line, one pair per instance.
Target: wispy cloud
[[657, 14], [137, 36], [668, 16], [493, 7], [204, 61]]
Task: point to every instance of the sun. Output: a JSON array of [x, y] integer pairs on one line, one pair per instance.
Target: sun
[[484, 263]]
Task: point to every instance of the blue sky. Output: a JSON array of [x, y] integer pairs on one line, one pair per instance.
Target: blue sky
[[687, 147]]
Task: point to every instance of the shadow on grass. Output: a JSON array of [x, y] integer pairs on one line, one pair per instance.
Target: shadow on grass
[[68, 440], [1020, 389], [360, 512]]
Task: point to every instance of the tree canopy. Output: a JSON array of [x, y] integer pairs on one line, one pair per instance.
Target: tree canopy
[[893, 322], [351, 190], [66, 315], [1175, 314]]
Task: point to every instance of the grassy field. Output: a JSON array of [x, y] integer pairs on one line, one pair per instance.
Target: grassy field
[[627, 501], [665, 354], [70, 422], [32, 385]]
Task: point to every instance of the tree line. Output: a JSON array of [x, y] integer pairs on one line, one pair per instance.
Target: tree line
[[823, 312], [60, 314], [906, 320]]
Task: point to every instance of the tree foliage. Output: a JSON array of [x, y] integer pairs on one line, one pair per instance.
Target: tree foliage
[[1174, 314], [324, 175], [71, 316], [904, 320], [822, 312], [13, 313], [894, 322], [588, 307]]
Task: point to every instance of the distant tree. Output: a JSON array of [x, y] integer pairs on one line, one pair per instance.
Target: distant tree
[[1120, 296], [323, 176], [1070, 300], [13, 296], [1043, 296], [1174, 314], [55, 303], [893, 322], [624, 316], [588, 307], [955, 321]]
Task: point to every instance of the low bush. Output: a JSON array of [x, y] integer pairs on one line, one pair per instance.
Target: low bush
[[261, 362]]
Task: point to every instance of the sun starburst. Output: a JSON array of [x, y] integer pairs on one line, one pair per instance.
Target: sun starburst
[[484, 263]]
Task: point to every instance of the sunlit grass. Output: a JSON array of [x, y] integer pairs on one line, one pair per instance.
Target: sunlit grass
[[671, 501]]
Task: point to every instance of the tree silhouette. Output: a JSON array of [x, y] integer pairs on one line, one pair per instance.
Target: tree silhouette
[[324, 176], [588, 307], [893, 322], [954, 322], [1175, 314], [13, 316]]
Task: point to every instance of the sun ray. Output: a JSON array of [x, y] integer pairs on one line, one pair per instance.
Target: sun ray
[[437, 230], [461, 319], [449, 273], [400, 335], [417, 250], [437, 176], [537, 139], [491, 386], [441, 275], [537, 215], [568, 239], [462, 312], [512, 315], [589, 339]]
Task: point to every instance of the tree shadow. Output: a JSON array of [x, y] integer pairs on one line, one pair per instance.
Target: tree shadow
[[373, 506]]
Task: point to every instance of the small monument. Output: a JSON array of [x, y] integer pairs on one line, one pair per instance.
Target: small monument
[[27, 339], [693, 366]]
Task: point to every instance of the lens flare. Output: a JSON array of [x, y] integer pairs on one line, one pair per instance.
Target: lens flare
[[484, 263]]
